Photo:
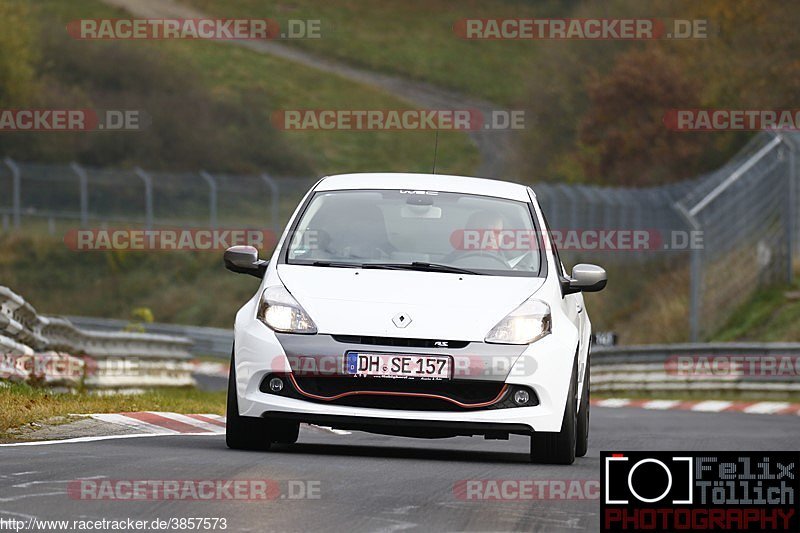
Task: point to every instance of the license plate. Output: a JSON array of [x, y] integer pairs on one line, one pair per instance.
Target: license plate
[[397, 366]]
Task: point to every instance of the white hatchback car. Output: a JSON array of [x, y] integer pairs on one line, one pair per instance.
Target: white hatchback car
[[415, 305]]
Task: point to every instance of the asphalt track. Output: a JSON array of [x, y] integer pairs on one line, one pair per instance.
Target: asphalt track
[[364, 482]]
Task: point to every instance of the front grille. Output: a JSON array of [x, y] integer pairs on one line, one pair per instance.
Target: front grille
[[405, 403], [471, 394], [399, 342], [460, 390]]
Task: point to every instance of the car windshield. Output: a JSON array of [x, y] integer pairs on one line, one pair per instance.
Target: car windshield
[[417, 230]]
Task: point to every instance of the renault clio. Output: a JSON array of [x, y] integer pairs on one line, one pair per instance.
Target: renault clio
[[414, 305]]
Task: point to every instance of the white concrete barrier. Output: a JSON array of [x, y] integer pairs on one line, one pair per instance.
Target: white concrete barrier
[[768, 368], [52, 351]]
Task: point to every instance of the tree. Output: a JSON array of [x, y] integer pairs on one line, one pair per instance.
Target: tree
[[623, 140]]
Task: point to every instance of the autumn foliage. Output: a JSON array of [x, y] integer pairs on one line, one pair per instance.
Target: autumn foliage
[[597, 107], [622, 133]]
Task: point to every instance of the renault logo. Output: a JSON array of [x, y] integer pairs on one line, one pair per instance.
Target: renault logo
[[401, 320]]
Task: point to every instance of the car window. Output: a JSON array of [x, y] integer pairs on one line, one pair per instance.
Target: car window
[[480, 233]]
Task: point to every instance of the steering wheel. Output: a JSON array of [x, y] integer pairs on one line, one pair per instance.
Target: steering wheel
[[482, 255]]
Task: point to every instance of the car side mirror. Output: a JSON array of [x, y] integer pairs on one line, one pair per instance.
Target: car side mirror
[[244, 260], [585, 278]]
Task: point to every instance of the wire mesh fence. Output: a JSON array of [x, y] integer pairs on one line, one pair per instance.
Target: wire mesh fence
[[733, 230], [748, 216], [65, 196]]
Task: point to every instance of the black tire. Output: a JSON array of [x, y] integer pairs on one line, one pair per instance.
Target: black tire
[[559, 448], [582, 439], [284, 432], [249, 433]]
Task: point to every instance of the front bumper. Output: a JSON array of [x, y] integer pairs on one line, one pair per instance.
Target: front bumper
[[545, 367]]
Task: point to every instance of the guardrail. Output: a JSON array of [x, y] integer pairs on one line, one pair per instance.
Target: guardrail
[[54, 351], [215, 342], [670, 368], [757, 368]]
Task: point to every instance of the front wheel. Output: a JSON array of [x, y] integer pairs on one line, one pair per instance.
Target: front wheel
[[250, 433], [559, 448]]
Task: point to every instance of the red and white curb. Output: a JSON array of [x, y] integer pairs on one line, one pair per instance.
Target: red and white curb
[[160, 423], [706, 406]]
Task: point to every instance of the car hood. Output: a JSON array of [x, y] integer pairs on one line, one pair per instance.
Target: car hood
[[443, 306]]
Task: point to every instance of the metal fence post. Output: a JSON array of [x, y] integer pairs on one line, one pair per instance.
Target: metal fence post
[[695, 276], [695, 294], [148, 196], [83, 180], [16, 193], [212, 197], [275, 191]]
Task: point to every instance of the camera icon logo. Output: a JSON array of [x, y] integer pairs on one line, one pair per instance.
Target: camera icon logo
[[648, 480]]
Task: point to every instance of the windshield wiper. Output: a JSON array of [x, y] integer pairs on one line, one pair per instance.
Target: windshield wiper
[[422, 266], [340, 264]]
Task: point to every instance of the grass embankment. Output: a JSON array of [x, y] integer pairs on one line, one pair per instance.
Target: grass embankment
[[180, 287], [642, 303], [210, 105], [21, 405], [594, 108], [655, 316], [413, 39], [654, 308], [771, 315]]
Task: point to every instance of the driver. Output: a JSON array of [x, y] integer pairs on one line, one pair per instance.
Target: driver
[[489, 226], [486, 222]]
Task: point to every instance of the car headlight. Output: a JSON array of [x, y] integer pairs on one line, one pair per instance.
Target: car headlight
[[281, 312], [526, 324]]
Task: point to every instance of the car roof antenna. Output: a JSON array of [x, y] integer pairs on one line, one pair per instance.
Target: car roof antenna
[[435, 151]]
